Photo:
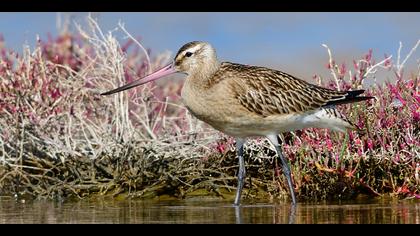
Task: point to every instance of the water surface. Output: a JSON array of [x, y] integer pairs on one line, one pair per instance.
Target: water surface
[[207, 211]]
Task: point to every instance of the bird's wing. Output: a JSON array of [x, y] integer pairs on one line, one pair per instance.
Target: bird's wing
[[270, 92]]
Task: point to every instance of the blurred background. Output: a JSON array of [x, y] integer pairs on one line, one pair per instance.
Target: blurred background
[[287, 41]]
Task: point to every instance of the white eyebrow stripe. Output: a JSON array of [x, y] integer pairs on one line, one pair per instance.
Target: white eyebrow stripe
[[194, 49]]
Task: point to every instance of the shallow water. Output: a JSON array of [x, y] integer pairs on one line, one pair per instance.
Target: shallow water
[[206, 211]]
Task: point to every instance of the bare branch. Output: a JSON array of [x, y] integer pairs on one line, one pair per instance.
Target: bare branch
[[121, 25], [331, 65]]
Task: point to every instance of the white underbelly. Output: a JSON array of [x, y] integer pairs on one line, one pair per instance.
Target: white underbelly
[[258, 126]]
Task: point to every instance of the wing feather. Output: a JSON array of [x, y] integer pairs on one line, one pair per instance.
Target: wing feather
[[270, 92]]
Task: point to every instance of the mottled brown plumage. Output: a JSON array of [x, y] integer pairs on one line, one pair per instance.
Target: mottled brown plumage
[[245, 101], [271, 92]]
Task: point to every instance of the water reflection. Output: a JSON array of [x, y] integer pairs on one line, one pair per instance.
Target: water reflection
[[292, 214], [205, 211], [238, 214]]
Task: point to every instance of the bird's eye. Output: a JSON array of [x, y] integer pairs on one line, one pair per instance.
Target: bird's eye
[[188, 54]]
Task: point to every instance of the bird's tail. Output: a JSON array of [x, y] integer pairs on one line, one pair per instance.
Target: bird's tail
[[350, 97], [331, 118]]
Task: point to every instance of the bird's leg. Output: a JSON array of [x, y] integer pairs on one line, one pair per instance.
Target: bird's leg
[[241, 172], [285, 165]]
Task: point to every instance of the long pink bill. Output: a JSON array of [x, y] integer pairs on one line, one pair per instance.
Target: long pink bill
[[167, 70]]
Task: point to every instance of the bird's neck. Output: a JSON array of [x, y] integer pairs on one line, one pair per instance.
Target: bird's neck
[[196, 91], [201, 77]]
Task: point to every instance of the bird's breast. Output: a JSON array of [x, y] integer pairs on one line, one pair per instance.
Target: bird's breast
[[216, 108], [197, 103]]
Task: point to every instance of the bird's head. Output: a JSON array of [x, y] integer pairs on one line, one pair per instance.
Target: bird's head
[[192, 58]]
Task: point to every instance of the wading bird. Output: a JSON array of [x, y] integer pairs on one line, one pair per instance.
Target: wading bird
[[250, 101]]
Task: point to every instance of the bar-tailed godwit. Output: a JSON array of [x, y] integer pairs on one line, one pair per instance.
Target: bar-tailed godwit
[[250, 101]]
